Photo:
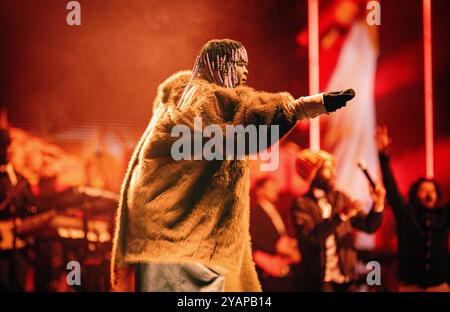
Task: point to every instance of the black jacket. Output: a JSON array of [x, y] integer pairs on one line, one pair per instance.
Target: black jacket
[[422, 236], [312, 231]]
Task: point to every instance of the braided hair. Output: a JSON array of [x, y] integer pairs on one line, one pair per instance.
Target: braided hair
[[217, 63]]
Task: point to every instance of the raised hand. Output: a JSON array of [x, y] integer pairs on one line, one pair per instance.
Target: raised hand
[[383, 140]]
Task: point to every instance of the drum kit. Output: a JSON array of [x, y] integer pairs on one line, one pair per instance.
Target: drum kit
[[76, 225]]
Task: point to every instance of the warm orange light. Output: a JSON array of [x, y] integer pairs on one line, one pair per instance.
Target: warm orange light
[[313, 52], [428, 86]]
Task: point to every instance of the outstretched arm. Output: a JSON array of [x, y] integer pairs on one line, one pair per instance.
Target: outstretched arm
[[246, 106], [243, 106]]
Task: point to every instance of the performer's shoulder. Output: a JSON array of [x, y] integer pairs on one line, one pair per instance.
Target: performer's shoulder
[[176, 80], [169, 91]]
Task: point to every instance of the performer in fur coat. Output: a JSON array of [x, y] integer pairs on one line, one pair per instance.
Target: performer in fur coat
[[184, 224]]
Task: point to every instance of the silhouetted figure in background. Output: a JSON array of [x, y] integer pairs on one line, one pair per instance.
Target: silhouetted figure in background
[[16, 201], [273, 250], [422, 228], [324, 220]]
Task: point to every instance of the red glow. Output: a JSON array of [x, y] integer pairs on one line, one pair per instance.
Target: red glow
[[428, 70], [313, 51]]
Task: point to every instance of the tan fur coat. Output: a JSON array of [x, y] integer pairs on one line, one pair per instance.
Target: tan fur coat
[[194, 210]]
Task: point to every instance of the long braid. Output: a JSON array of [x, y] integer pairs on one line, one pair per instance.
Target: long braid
[[217, 64]]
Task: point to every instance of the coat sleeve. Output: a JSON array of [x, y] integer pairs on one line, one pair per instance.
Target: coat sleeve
[[246, 106], [367, 223], [240, 106]]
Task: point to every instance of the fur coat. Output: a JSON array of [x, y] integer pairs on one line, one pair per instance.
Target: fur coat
[[194, 210]]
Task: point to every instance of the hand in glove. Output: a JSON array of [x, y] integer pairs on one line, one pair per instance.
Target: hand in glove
[[337, 99]]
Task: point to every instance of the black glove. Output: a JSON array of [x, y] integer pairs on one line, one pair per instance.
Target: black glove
[[337, 99]]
